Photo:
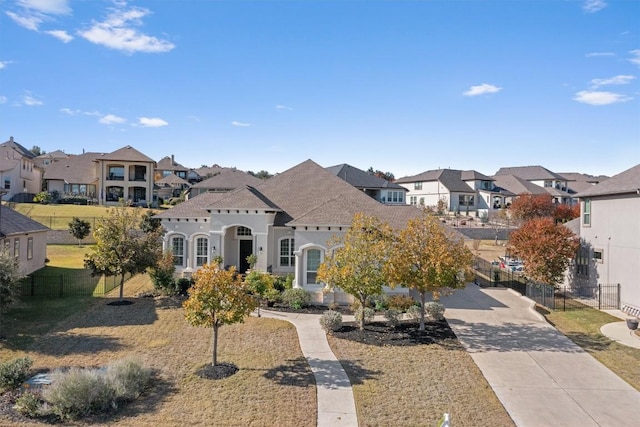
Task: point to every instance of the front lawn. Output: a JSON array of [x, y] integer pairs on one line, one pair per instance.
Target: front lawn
[[583, 327]]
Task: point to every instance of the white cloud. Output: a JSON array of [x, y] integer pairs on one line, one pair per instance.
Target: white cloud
[[150, 122], [29, 100], [3, 64], [30, 22], [240, 124], [54, 7], [616, 80], [92, 113], [597, 54], [594, 97], [118, 32], [110, 119], [60, 35], [70, 112], [283, 107], [592, 6], [482, 89], [3, 99], [635, 56]]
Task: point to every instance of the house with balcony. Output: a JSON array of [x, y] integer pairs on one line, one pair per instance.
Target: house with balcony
[[286, 221], [610, 237], [73, 176], [378, 188], [20, 176], [125, 175]]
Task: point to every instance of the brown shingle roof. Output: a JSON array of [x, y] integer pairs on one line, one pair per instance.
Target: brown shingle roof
[[172, 179], [530, 173], [623, 183], [195, 207], [80, 169], [228, 179], [169, 163], [127, 154], [516, 185], [13, 222]]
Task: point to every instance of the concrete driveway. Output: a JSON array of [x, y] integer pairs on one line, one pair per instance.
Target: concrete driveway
[[540, 376]]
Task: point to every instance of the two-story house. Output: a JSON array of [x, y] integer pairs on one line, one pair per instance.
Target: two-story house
[[20, 177], [226, 180], [610, 235], [378, 188], [556, 185]]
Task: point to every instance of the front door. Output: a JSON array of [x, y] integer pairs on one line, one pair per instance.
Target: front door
[[246, 249]]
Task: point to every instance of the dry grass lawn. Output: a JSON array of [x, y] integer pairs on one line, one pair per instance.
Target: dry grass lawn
[[274, 385], [415, 385]]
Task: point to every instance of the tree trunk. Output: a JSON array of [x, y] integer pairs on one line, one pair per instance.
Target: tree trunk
[[422, 311], [121, 287], [215, 344], [363, 301]]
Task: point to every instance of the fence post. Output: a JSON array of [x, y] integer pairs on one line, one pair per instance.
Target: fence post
[[599, 296], [618, 298]]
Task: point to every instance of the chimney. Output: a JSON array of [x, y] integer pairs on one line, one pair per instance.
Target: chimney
[[173, 161], [10, 139]]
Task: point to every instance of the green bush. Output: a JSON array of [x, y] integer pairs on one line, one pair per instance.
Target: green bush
[[28, 404], [378, 302], [14, 372], [368, 314], [414, 312], [331, 321], [272, 296], [128, 379], [393, 317], [296, 298], [183, 284], [78, 392], [283, 283], [400, 302]]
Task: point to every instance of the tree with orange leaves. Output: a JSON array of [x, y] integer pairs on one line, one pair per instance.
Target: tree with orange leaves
[[529, 206], [546, 249], [564, 213]]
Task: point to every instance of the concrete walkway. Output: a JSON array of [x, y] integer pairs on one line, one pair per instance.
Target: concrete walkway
[[336, 406], [540, 376]]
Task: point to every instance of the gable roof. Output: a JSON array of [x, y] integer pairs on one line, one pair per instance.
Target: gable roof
[[195, 207], [516, 185], [169, 163], [530, 173], [582, 177], [361, 179], [127, 154], [623, 183], [74, 169], [172, 179], [13, 222], [473, 175], [19, 148], [208, 171], [228, 179], [451, 179]]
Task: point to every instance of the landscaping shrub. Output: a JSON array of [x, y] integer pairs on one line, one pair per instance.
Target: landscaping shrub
[[434, 310], [296, 298], [78, 392], [393, 317], [368, 314], [414, 312], [272, 296], [162, 275], [28, 404], [14, 372], [283, 283], [331, 321], [378, 302], [183, 284], [128, 379], [400, 302]]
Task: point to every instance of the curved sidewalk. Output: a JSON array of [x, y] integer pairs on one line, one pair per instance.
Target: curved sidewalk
[[336, 406], [541, 377]]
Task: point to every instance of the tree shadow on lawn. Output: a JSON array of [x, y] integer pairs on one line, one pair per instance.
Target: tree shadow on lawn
[[63, 343], [295, 372]]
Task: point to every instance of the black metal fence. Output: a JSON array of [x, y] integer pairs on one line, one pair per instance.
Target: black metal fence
[[81, 283], [601, 296]]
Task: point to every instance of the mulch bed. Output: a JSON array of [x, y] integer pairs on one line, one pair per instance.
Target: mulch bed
[[217, 372], [407, 333]]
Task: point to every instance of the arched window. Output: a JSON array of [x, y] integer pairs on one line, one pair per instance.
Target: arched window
[[202, 251], [287, 259], [243, 231], [314, 258], [177, 247]]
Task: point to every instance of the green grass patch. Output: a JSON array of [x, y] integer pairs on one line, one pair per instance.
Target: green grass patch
[[583, 328]]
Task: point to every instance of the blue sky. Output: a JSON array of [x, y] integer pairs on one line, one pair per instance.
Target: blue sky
[[402, 86]]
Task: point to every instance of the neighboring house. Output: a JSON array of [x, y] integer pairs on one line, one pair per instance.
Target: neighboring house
[[20, 177], [125, 174], [380, 189], [461, 191], [555, 184], [23, 238], [73, 176], [224, 181], [46, 159], [511, 186], [171, 186], [286, 221], [168, 166], [610, 235], [204, 172]]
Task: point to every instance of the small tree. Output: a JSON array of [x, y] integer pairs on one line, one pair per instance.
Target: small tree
[[218, 297], [43, 197], [260, 283], [427, 258], [9, 283], [79, 228], [162, 274], [546, 249], [498, 222], [149, 224], [122, 247], [564, 213], [357, 265]]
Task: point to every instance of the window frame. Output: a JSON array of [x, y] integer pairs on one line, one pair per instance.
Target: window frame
[[308, 271], [174, 245], [202, 258], [290, 257], [16, 248], [417, 185], [30, 248], [586, 212]]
